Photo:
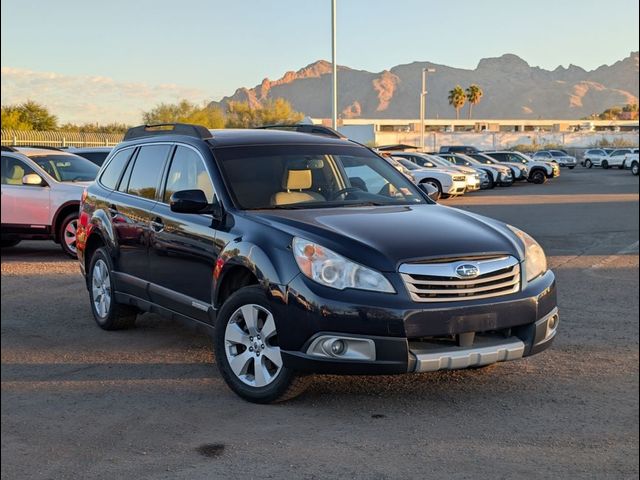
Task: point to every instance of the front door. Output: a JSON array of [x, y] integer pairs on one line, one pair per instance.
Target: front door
[[182, 255], [26, 207]]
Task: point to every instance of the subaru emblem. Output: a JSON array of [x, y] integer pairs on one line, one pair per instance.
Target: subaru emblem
[[467, 270]]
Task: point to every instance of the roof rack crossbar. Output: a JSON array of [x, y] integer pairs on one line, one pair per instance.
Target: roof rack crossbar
[[187, 129], [305, 128]]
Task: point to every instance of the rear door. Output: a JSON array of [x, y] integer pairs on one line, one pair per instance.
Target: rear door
[[25, 206], [130, 208], [182, 255]]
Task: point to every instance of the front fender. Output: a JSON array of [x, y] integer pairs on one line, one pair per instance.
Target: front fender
[[277, 269]]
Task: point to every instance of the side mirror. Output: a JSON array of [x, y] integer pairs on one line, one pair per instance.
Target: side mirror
[[432, 192], [33, 179], [189, 201]]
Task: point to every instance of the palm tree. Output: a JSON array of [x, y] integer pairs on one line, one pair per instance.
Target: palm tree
[[457, 98], [474, 95]]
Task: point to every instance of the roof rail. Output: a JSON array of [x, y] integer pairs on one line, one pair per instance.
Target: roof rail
[[187, 129], [306, 128], [7, 148]]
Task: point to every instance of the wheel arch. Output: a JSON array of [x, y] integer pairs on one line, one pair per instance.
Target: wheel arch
[[63, 210], [244, 263]]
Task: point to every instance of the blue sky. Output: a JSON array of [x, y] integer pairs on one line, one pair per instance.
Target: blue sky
[[141, 51]]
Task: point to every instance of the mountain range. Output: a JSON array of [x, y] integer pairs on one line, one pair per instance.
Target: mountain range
[[512, 89]]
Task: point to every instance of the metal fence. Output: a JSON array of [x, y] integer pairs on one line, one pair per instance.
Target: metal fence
[[16, 138]]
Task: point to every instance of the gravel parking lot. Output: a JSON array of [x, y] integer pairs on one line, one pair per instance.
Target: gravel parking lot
[[78, 402]]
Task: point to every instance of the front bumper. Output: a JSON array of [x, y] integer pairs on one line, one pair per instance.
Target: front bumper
[[413, 337], [457, 188]]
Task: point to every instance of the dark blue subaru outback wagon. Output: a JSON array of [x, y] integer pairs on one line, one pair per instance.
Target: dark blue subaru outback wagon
[[305, 254]]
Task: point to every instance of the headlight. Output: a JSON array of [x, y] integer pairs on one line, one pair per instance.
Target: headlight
[[332, 270], [535, 261]]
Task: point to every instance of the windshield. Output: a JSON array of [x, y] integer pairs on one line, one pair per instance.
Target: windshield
[[482, 159], [312, 176], [409, 165], [440, 162], [67, 168]]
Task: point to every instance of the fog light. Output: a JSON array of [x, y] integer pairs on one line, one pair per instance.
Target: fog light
[[552, 323], [338, 347]]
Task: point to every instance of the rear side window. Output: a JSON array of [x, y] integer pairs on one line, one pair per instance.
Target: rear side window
[[112, 172], [147, 171], [188, 172]]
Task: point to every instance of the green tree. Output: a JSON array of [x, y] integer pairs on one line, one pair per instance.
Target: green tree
[[28, 115], [272, 112], [94, 127], [185, 112], [474, 95], [457, 99], [630, 107]]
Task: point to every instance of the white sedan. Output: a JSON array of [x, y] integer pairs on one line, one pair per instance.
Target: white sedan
[[449, 184]]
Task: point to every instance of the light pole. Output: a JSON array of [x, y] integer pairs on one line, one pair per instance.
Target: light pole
[[423, 101], [334, 73]]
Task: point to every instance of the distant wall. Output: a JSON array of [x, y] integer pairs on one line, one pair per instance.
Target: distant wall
[[360, 133], [503, 140]]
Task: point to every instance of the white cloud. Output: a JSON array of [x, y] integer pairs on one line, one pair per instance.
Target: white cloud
[[82, 99]]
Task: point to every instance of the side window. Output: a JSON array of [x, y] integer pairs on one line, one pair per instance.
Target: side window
[[13, 170], [187, 172], [147, 171], [111, 174], [124, 181], [362, 176]]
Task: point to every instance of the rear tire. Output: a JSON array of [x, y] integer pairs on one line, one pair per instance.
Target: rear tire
[[588, 163], [108, 314], [10, 243], [634, 168], [67, 234], [245, 335], [605, 164], [572, 167], [492, 184]]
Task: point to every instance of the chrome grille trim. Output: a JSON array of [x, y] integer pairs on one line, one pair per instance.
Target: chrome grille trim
[[438, 282]]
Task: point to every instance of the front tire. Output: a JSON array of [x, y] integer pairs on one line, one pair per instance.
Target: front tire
[[634, 168], [247, 350], [67, 235], [588, 163], [538, 177], [605, 164], [108, 314], [435, 184]]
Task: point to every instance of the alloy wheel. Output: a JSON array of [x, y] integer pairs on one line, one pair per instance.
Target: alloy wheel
[[250, 342], [69, 235], [101, 288]]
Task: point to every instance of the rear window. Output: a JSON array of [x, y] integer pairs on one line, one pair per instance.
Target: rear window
[[111, 174]]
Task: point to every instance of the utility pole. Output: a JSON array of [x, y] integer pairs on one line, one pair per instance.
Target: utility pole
[[334, 74], [423, 102]]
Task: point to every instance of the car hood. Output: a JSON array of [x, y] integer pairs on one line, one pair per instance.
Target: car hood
[[385, 237]]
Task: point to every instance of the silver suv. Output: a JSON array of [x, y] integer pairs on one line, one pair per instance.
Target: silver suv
[[41, 191]]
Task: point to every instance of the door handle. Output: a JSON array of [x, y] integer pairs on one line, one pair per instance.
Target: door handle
[[157, 225], [113, 210]]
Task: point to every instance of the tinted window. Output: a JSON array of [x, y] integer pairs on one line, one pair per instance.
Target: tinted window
[[147, 170], [124, 181], [67, 168], [13, 170], [111, 174], [187, 172], [95, 157]]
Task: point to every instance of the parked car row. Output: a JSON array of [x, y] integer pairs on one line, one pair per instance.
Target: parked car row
[[458, 169], [622, 158]]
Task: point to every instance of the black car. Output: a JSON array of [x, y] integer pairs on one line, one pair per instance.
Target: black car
[[306, 254], [467, 149]]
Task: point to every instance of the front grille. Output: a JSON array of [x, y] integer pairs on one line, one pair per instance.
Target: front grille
[[459, 178], [439, 282]]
